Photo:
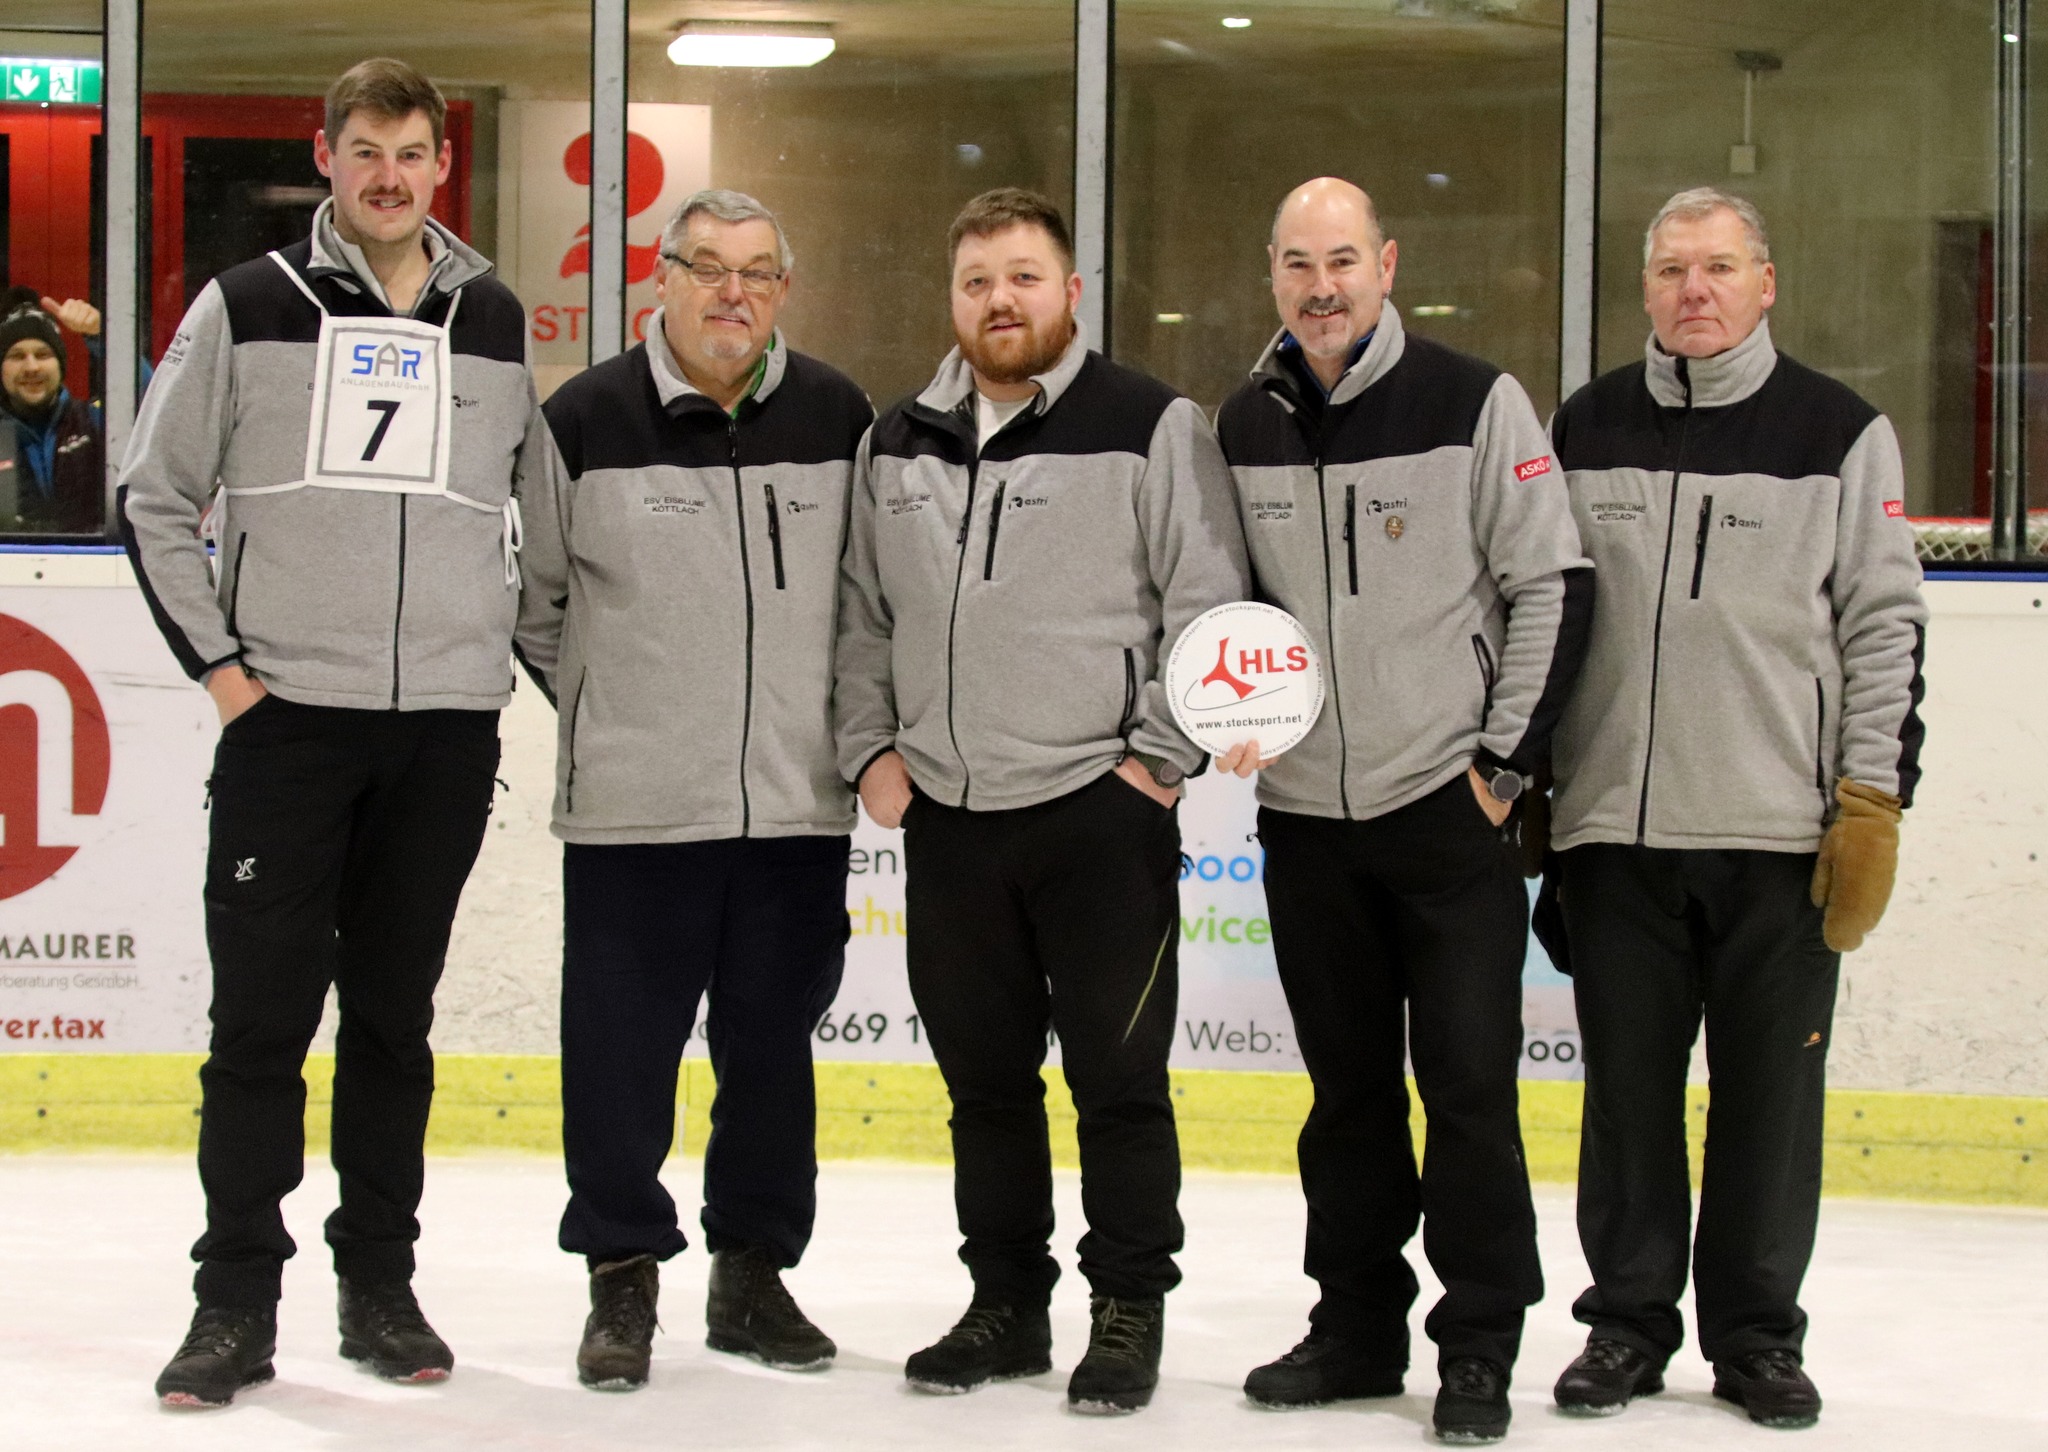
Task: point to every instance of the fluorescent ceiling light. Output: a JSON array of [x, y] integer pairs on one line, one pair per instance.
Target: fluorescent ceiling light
[[1237, 22], [749, 44]]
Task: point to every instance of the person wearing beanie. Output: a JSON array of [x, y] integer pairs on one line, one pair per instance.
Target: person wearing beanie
[[52, 455]]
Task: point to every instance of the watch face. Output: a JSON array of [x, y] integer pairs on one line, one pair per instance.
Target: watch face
[[1169, 774], [1505, 786]]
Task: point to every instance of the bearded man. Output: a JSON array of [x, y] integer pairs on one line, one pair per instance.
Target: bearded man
[[1028, 535]]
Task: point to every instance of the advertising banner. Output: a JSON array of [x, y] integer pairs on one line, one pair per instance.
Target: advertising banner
[[105, 748]]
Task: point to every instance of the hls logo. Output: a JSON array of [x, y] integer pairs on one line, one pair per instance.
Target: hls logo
[[1208, 694], [385, 361], [54, 756]]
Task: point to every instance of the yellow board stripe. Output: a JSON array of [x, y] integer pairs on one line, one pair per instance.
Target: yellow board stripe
[[1973, 1149]]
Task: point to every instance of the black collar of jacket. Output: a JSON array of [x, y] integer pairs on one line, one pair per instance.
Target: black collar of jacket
[[1389, 342]]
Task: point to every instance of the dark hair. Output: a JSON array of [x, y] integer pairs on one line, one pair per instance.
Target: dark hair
[[1008, 207], [389, 90]]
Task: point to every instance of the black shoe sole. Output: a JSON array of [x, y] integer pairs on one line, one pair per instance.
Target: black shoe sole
[[1648, 1387], [1110, 1404], [1792, 1422], [935, 1388], [403, 1373], [746, 1346], [180, 1400]]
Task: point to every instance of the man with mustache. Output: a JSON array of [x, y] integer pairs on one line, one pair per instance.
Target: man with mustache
[[681, 588], [1029, 535], [1401, 501], [1731, 773], [355, 416]]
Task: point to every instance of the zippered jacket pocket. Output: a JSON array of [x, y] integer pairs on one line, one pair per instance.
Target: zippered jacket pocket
[[1351, 532], [569, 749], [1820, 740], [995, 525], [1124, 722], [774, 534], [1488, 676], [1699, 543], [235, 590]]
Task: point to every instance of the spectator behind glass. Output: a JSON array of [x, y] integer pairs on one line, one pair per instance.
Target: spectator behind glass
[[52, 454]]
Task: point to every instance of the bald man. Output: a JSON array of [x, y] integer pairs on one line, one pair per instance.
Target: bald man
[[1402, 502]]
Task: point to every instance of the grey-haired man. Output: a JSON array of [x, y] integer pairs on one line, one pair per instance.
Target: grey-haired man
[[679, 608]]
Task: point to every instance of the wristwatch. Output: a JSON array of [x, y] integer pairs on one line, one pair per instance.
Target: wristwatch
[[1166, 773], [1504, 784]]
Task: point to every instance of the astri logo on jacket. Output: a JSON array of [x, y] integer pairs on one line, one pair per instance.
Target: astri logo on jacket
[[1736, 521], [1529, 468], [54, 756]]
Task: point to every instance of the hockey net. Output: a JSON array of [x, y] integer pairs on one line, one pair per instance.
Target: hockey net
[[1942, 540]]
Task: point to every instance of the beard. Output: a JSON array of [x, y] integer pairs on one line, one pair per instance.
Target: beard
[[1325, 309], [1016, 357]]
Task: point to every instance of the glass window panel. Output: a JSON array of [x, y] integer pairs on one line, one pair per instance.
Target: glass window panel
[[52, 229], [866, 156], [1873, 130], [233, 94], [1449, 112]]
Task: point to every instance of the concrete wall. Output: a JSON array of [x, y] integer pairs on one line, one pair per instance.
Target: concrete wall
[[1949, 995]]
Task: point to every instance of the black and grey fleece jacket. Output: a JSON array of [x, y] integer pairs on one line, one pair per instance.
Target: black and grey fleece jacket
[[333, 597], [1005, 612], [1759, 627], [1416, 524], [682, 585]]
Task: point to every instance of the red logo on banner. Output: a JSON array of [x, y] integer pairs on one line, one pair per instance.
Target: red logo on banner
[[54, 755], [1896, 508], [645, 176], [1529, 468]]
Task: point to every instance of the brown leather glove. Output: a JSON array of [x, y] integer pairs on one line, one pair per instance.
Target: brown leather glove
[[1859, 857]]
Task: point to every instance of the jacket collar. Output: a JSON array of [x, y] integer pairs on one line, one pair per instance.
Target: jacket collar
[[454, 263], [1389, 341], [671, 385], [953, 387], [1727, 377]]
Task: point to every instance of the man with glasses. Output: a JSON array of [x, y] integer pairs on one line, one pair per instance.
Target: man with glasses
[[680, 595]]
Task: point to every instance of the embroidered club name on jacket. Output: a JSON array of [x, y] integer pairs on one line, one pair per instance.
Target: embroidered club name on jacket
[[350, 597], [1007, 609], [681, 594], [1759, 628], [1414, 525]]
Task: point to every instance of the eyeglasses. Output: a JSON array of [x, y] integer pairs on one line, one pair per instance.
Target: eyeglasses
[[706, 273]]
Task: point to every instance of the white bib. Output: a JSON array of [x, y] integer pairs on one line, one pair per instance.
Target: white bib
[[382, 406]]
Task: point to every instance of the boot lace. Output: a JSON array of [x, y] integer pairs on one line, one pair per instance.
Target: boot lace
[[1604, 1353], [216, 1333], [1775, 1364], [1120, 1329], [1308, 1349], [982, 1325], [391, 1311], [765, 1290], [1468, 1376], [625, 1312]]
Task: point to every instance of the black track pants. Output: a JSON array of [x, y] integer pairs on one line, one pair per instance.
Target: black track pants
[[1421, 910], [1661, 940], [1063, 916], [339, 843], [648, 929]]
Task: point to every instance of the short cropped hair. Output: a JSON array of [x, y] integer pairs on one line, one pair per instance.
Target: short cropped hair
[[727, 206], [1008, 207], [387, 89], [1700, 203]]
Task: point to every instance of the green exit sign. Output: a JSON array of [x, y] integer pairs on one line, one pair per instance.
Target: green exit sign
[[51, 82]]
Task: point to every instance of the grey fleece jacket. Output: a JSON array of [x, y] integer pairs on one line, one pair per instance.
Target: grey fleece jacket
[[1006, 613], [1759, 627], [1416, 524], [333, 597], [682, 582]]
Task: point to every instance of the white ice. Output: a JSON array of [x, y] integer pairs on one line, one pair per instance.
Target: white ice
[[1929, 1329]]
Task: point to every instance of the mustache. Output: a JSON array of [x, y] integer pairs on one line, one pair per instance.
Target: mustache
[[1327, 306]]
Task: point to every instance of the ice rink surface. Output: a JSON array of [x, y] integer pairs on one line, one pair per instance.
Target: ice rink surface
[[1930, 1330]]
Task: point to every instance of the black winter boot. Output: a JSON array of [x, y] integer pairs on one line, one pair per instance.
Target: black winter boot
[[1771, 1386], [1472, 1404], [992, 1342], [381, 1327], [1121, 1369], [618, 1335], [228, 1348], [1324, 1368], [1605, 1378], [751, 1313]]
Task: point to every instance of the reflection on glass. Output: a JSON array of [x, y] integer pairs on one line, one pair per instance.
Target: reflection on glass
[[233, 94], [866, 154], [52, 221], [1449, 112], [1869, 146]]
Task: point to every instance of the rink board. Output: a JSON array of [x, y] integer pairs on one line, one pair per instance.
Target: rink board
[[1978, 1149]]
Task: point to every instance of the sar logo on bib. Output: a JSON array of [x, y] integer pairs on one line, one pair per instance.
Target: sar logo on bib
[[1244, 672]]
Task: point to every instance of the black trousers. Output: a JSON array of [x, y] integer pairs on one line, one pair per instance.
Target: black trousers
[[1660, 940], [1063, 917], [1421, 908], [648, 929], [339, 844]]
